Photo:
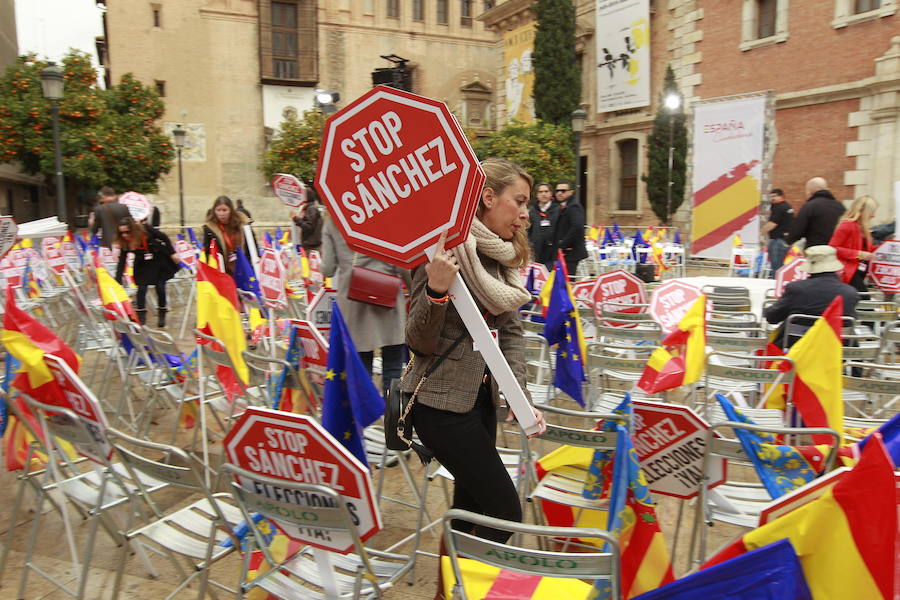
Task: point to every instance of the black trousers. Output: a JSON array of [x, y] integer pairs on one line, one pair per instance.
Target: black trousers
[[465, 443], [141, 296]]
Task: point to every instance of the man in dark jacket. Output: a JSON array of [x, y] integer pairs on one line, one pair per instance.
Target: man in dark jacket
[[818, 217], [570, 227], [309, 220], [812, 296], [106, 215], [543, 214]]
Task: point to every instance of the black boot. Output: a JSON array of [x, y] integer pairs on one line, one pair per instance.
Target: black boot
[[142, 315], [161, 317]]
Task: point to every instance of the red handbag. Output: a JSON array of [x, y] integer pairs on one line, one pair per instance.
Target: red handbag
[[373, 287]]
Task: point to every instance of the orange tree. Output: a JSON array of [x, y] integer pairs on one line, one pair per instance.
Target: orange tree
[[543, 149], [295, 149], [108, 137]]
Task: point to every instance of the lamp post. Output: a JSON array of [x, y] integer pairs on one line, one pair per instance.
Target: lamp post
[[179, 134], [579, 116], [673, 102], [326, 100], [53, 83]]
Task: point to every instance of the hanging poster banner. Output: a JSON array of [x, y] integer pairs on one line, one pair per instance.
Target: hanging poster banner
[[727, 174], [623, 54], [518, 46]]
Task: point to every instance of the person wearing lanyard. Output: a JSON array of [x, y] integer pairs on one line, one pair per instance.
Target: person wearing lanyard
[[454, 410], [155, 262], [543, 215], [224, 224]]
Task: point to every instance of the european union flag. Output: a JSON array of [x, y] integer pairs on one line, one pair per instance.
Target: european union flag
[[562, 328], [677, 239], [639, 243], [773, 571], [617, 233], [352, 401], [245, 276], [193, 238], [608, 239]]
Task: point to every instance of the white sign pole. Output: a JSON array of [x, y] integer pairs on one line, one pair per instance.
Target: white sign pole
[[496, 362], [329, 583], [896, 235]]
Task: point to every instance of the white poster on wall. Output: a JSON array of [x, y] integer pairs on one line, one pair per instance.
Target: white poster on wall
[[623, 54], [727, 164]]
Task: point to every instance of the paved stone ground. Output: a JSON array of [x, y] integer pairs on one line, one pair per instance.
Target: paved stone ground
[[51, 552]]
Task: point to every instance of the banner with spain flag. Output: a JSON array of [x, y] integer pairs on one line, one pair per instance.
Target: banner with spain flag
[[845, 538], [728, 143]]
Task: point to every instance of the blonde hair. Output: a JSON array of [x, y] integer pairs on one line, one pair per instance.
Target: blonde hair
[[861, 211], [500, 174]]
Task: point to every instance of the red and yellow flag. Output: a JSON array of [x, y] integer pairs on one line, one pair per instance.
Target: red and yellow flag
[[113, 295], [491, 583], [818, 383], [218, 312], [846, 538], [681, 357]]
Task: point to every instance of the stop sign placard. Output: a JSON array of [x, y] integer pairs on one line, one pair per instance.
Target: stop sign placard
[[540, 275], [395, 171], [670, 301], [8, 231], [296, 448], [584, 291], [271, 279], [789, 273], [186, 253], [53, 254], [137, 204], [289, 189], [319, 310], [669, 441], [618, 287], [884, 269], [315, 347]]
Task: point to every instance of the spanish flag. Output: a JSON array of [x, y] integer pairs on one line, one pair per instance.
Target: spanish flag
[[818, 383], [845, 538], [491, 583], [113, 295], [680, 358], [218, 312]]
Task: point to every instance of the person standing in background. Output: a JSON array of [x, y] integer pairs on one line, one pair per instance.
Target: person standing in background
[[852, 240], [240, 208], [106, 216], [781, 215], [309, 220], [226, 226], [570, 227], [818, 217], [543, 216]]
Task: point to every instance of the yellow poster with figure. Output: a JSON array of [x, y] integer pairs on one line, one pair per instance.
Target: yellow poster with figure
[[518, 74], [623, 54]]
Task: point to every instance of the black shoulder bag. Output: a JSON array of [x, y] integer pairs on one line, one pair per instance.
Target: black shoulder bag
[[398, 429]]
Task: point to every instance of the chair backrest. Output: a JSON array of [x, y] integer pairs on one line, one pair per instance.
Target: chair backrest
[[796, 325], [644, 331], [217, 357], [574, 436], [730, 448], [324, 508], [737, 342], [64, 424], [722, 364], [266, 371], [601, 359], [615, 314], [174, 465], [872, 397], [580, 563]]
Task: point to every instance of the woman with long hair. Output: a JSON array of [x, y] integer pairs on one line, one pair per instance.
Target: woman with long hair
[[224, 224], [454, 410], [852, 241], [155, 262]]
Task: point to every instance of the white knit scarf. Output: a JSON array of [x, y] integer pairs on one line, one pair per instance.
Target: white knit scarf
[[497, 294]]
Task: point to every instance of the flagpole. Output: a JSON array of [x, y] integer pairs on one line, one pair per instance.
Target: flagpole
[[201, 389]]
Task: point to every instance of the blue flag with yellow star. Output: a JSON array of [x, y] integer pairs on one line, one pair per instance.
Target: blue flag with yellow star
[[352, 401], [563, 328], [244, 276]]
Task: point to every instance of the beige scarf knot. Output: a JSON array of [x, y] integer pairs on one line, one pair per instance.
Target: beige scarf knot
[[498, 292]]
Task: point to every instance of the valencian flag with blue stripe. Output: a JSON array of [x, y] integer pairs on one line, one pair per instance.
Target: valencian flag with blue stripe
[[564, 328], [352, 401]]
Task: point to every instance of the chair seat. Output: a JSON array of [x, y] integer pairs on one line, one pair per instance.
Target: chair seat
[[171, 531], [564, 486], [285, 584], [738, 504]]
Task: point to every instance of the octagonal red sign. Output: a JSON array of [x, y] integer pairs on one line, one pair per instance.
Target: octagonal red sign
[[289, 189], [296, 448], [50, 246], [271, 279], [8, 231], [670, 301], [315, 347], [884, 269], [395, 171], [617, 288], [793, 271]]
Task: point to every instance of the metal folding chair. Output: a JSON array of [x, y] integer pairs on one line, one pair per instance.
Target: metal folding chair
[[584, 562], [872, 397], [745, 379], [190, 537], [365, 573], [740, 499]]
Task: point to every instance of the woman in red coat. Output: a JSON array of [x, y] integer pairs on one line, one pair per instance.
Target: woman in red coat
[[852, 240]]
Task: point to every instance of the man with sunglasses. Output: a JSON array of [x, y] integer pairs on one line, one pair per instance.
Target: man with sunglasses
[[570, 227]]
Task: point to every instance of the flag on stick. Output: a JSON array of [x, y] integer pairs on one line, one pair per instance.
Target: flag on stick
[[680, 359]]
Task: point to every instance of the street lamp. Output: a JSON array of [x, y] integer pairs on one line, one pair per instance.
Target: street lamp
[[53, 83], [325, 100], [673, 103], [579, 116], [179, 134]]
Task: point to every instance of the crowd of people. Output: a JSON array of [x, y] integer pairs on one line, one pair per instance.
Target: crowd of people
[[557, 224]]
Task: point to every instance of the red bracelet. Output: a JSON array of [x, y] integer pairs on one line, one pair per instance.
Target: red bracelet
[[442, 300]]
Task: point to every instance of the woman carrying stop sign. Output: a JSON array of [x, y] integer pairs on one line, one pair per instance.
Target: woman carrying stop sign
[[454, 412]]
